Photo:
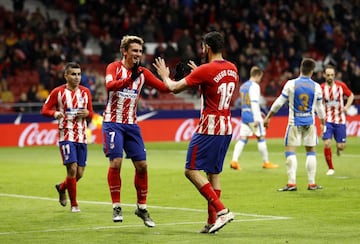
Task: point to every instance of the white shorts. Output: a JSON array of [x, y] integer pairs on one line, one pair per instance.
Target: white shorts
[[250, 129], [297, 135]]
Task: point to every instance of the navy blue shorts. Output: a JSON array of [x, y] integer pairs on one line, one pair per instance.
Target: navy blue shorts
[[207, 152], [119, 137], [336, 130], [72, 152]]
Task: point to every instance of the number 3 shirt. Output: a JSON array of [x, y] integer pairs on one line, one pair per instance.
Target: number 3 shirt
[[217, 81], [304, 97]]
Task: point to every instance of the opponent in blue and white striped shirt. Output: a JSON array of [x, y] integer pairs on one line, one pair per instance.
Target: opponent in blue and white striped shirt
[[304, 97]]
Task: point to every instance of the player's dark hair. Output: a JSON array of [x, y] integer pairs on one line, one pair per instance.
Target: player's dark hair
[[71, 65], [215, 41], [307, 66], [329, 66]]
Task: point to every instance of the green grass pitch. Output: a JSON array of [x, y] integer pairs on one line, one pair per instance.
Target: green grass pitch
[[30, 212]]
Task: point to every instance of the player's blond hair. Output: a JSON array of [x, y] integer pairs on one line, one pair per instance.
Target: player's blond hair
[[127, 40], [255, 71]]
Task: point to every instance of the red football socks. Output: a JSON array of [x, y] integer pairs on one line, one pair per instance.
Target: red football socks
[[71, 186], [114, 182], [141, 185], [328, 157], [211, 210], [208, 192]]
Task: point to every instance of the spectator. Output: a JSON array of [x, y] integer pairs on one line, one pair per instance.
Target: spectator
[[31, 94], [159, 50], [18, 5], [33, 98], [271, 88], [108, 50], [170, 51], [45, 76], [42, 93], [188, 54], [184, 42], [22, 104], [325, 32], [6, 95]]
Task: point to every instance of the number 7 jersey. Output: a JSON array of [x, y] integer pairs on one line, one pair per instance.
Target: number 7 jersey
[[217, 81]]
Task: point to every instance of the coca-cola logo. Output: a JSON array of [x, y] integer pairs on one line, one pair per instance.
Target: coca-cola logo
[[33, 135], [187, 128]]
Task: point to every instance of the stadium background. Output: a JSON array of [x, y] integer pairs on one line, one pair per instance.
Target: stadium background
[[38, 37]]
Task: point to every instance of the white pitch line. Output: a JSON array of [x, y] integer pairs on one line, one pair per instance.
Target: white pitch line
[[133, 205], [256, 216], [121, 226]]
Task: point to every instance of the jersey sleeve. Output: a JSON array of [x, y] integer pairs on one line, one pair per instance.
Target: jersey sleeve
[[89, 105], [195, 78], [346, 90], [49, 107], [114, 81], [254, 93], [282, 99], [151, 80], [320, 110]]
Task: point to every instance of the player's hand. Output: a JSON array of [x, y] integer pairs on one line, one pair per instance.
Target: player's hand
[[161, 68], [135, 71], [322, 129], [192, 65], [82, 113], [58, 115], [266, 122]]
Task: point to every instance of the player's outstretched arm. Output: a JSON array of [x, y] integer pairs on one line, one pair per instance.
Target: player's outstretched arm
[[267, 119]]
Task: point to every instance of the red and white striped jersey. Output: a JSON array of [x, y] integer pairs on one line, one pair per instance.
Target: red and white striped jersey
[[333, 97], [217, 81], [71, 128], [123, 93]]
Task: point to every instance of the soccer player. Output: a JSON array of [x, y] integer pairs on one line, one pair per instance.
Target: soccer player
[[124, 80], [71, 105], [335, 111], [251, 120], [209, 144], [304, 97]]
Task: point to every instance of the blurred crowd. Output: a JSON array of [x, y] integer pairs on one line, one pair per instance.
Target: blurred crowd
[[274, 35]]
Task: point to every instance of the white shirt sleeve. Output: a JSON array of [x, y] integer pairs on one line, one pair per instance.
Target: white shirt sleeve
[[320, 109], [254, 93], [282, 99]]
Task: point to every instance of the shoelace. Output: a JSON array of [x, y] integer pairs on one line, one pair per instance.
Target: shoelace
[[117, 210]]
